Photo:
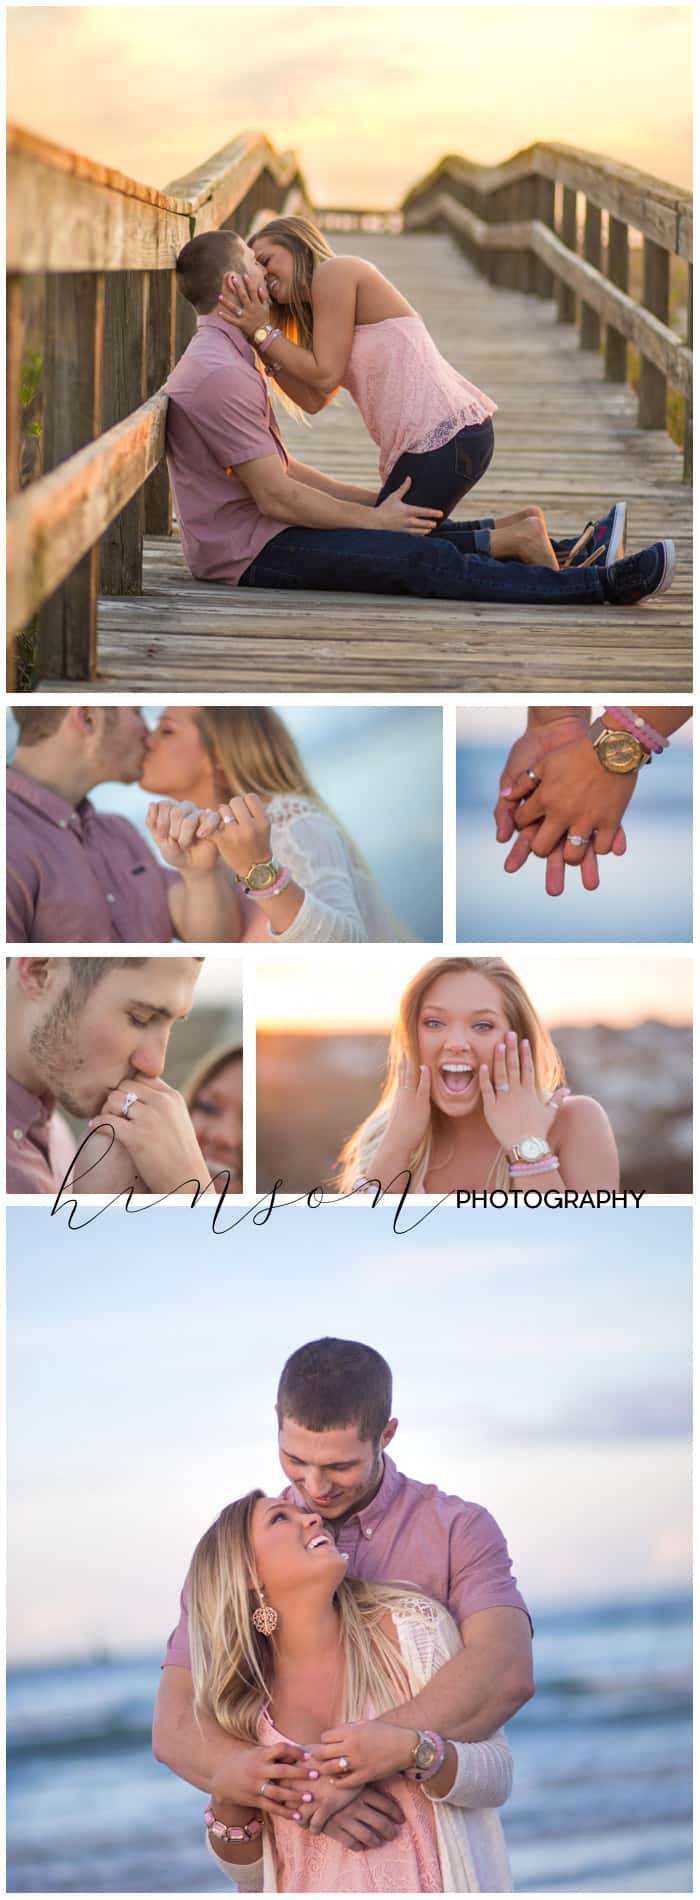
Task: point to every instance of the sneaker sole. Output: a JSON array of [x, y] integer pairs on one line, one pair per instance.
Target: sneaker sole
[[616, 543], [669, 568]]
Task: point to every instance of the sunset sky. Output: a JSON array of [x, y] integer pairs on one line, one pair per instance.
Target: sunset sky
[[537, 1370], [369, 96], [311, 993]]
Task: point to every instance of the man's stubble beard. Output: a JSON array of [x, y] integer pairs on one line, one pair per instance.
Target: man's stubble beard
[[50, 1047]]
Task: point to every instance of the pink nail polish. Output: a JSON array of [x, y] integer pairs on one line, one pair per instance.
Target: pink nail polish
[[313, 1774], [306, 1755], [307, 1797], [297, 1816], [505, 789]]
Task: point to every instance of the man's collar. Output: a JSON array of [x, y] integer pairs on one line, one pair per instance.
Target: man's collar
[[240, 342], [52, 805], [25, 1110]]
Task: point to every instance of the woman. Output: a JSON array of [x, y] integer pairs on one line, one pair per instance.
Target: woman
[[240, 766], [284, 1648], [337, 321], [213, 1094], [475, 1096]]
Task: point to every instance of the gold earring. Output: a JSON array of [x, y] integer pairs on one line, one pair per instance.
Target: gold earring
[[265, 1618]]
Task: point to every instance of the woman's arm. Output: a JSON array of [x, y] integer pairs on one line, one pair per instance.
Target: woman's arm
[[334, 298], [474, 1774], [311, 847], [584, 1141]]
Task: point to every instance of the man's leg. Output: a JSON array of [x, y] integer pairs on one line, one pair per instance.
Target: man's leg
[[429, 567]]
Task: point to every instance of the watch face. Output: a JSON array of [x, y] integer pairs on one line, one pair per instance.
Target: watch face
[[620, 751], [425, 1754], [532, 1148], [260, 334], [260, 875]]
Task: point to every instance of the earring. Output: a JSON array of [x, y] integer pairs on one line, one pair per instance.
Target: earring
[[265, 1618]]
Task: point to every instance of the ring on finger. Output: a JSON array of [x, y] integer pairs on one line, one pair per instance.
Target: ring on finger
[[263, 1786], [572, 837], [128, 1102], [343, 1765], [503, 1088], [533, 775]]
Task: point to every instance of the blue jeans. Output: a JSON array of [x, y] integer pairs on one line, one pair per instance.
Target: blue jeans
[[441, 477], [378, 561]]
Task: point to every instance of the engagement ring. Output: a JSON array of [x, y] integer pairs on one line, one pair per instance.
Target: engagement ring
[[128, 1099], [503, 1088], [572, 837], [343, 1765], [229, 819], [263, 1787], [530, 774]]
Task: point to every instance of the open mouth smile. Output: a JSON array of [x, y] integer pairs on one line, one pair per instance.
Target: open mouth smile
[[457, 1077]]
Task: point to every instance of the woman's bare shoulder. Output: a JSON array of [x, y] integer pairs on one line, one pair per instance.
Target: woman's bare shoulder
[[578, 1114]]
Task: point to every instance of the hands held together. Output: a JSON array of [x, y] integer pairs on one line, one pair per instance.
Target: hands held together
[[560, 802]]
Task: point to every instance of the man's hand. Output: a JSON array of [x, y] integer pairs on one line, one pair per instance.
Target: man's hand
[[399, 516], [374, 1750], [358, 1821], [175, 828], [241, 306], [526, 754], [575, 794], [157, 1134]]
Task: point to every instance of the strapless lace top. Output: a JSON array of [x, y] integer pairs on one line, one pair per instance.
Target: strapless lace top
[[410, 399]]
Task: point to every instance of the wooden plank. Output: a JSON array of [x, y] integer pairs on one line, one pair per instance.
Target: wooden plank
[[123, 391], [160, 357], [619, 274], [14, 356], [655, 295], [67, 624], [590, 321], [656, 208], [59, 518], [568, 235]]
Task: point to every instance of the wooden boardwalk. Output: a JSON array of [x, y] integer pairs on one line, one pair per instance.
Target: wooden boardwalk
[[564, 438]]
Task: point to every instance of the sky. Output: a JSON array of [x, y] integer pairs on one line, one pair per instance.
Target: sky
[[368, 96], [541, 1368], [316, 993]]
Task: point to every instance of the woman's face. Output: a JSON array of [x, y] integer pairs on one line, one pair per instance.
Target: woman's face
[[460, 1021], [176, 757], [278, 265], [217, 1119], [292, 1548]]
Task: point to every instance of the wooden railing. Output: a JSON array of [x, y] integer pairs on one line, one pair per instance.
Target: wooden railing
[[522, 225], [94, 328]]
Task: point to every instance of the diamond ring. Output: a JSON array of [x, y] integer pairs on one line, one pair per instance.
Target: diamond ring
[[343, 1765], [129, 1099], [530, 774], [503, 1088], [572, 837]]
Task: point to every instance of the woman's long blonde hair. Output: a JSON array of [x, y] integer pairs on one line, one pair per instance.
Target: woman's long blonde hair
[[233, 1666], [251, 750], [357, 1156], [307, 247]]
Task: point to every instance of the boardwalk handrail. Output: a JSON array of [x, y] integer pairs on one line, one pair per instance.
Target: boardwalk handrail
[[109, 329], [519, 223]]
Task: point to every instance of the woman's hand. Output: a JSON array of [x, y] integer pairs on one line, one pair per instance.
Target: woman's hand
[[175, 828], [534, 745], [511, 1106], [241, 306], [410, 1114], [374, 1750], [243, 835], [281, 1770], [157, 1134], [575, 794], [555, 873]]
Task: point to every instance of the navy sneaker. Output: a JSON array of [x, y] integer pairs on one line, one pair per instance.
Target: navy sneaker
[[640, 575], [602, 542]]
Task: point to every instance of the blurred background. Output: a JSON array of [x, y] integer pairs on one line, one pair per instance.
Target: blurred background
[[645, 897], [380, 770], [622, 1025], [544, 1374]]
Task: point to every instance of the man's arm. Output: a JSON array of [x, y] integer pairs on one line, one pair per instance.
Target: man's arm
[[283, 498], [196, 1750], [342, 491], [205, 907], [480, 1688]]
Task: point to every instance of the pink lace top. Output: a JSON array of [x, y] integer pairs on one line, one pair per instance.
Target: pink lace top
[[314, 1863], [409, 398]]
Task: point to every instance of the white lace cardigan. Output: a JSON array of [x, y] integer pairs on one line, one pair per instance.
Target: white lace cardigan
[[471, 1846], [342, 902]]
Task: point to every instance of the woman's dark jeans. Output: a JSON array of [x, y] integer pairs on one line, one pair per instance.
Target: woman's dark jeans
[[434, 567], [441, 477]]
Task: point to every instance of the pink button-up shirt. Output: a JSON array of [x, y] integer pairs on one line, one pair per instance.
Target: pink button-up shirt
[[413, 1533], [219, 416], [76, 875], [39, 1145]]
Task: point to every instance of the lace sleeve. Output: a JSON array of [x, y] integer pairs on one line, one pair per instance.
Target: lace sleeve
[[484, 1775], [310, 844], [429, 1639]]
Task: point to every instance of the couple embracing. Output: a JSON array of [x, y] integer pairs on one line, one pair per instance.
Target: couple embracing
[[345, 1658]]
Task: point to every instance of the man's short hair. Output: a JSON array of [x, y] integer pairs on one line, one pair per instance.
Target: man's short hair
[[336, 1382], [87, 972], [202, 265], [38, 722]]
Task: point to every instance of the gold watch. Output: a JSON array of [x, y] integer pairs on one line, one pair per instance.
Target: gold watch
[[617, 751]]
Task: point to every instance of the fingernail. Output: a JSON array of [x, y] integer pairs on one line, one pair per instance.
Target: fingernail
[[505, 789], [526, 1044], [296, 1816], [313, 1774], [306, 1755], [501, 1050], [307, 1797]]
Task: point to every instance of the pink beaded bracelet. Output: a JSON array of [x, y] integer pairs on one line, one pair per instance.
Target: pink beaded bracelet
[[280, 884], [548, 1166], [633, 722], [223, 1833]]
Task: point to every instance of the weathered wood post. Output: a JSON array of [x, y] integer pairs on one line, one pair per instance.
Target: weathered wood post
[[67, 622], [568, 232], [590, 321], [160, 357], [655, 297], [688, 438], [123, 390], [619, 273], [544, 202]]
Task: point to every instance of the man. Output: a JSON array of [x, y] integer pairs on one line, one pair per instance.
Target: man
[[334, 1424], [76, 875], [90, 1034], [251, 517]]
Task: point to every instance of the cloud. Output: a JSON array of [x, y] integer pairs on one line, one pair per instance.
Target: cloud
[[650, 1412]]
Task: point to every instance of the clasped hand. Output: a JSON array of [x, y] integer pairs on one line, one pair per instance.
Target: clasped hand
[[570, 793]]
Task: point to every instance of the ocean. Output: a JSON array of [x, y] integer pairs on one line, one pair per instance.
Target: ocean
[[601, 1802]]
